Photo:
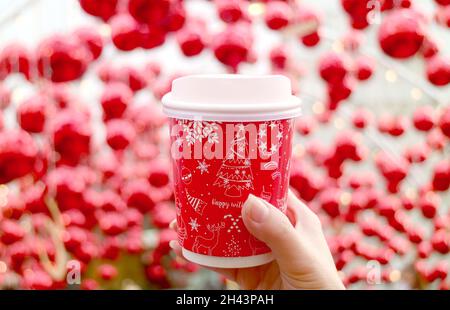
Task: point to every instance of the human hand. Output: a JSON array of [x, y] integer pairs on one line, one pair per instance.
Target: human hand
[[302, 259]]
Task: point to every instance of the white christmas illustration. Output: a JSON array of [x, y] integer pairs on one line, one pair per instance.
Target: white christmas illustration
[[234, 223], [186, 175], [194, 224], [196, 203], [235, 175], [232, 248], [208, 244]]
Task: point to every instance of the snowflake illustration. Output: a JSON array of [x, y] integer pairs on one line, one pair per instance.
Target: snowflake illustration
[[248, 184], [279, 135], [273, 148], [247, 162], [194, 224], [202, 166], [262, 132], [236, 171], [273, 125]]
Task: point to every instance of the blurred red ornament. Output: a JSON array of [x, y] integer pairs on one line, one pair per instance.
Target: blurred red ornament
[[192, 38], [361, 118], [176, 17], [107, 272], [112, 223], [429, 48], [151, 36], [443, 16], [401, 34], [17, 155], [89, 285], [278, 15], [441, 241], [364, 68], [91, 39], [279, 56], [119, 134], [441, 176], [428, 204], [10, 232], [103, 9], [115, 99], [125, 33], [424, 118], [438, 71], [232, 46], [71, 136], [444, 122], [333, 68], [138, 195], [231, 11], [15, 58], [151, 12], [358, 11], [62, 59], [32, 114], [443, 2], [308, 18]]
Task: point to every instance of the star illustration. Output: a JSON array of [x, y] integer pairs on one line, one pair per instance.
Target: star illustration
[[272, 125], [194, 225]]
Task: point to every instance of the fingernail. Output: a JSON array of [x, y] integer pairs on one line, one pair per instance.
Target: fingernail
[[172, 224], [258, 209], [173, 244]]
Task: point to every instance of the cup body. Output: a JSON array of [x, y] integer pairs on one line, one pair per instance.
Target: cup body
[[216, 165]]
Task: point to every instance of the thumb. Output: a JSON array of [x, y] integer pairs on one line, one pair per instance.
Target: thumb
[[271, 226]]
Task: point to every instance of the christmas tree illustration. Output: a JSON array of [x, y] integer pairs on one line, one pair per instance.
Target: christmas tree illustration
[[235, 174]]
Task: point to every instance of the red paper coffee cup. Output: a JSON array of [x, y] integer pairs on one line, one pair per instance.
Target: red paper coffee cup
[[231, 136]]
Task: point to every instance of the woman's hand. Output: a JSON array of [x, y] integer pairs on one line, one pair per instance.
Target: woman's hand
[[302, 259]]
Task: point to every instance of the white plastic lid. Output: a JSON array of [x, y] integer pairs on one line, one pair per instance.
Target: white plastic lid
[[231, 97]]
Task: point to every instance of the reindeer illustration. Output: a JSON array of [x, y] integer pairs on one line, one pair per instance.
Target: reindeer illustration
[[208, 243]]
